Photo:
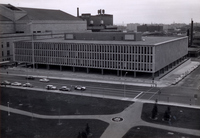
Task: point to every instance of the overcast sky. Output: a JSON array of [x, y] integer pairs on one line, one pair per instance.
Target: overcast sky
[[124, 11]]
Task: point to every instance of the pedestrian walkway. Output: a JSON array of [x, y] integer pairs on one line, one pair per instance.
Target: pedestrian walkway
[[131, 117], [172, 77]]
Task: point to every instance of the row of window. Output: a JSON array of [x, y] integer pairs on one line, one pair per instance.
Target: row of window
[[8, 53], [96, 56], [89, 63], [7, 44], [6, 59], [86, 47]]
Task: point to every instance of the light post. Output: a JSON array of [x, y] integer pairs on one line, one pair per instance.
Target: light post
[[32, 43], [59, 122], [124, 84], [8, 129], [8, 109], [33, 52]]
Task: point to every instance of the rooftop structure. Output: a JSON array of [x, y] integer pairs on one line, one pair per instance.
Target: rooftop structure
[[32, 20], [15, 21], [99, 22]]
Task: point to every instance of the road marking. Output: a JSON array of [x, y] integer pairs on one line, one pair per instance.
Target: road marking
[[152, 96], [138, 95]]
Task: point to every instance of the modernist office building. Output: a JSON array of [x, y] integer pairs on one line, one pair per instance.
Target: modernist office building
[[117, 52]]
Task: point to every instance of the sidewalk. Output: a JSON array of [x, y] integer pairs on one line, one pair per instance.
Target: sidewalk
[[131, 118], [174, 76]]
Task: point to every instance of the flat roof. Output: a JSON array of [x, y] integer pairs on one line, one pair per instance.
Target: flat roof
[[146, 41]]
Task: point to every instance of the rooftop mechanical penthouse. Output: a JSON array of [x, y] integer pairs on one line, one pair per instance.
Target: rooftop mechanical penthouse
[[105, 52]]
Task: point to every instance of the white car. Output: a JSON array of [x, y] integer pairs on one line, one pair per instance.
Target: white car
[[64, 88], [16, 84], [27, 85], [44, 80], [80, 88], [5, 83], [51, 87]]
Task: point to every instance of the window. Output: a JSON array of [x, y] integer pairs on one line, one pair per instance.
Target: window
[[8, 44], [8, 52], [2, 44], [2, 54]]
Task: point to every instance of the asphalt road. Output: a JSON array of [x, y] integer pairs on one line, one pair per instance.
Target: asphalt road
[[183, 92], [91, 87]]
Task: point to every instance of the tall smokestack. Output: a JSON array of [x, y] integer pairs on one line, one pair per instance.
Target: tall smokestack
[[188, 35], [191, 35], [77, 12]]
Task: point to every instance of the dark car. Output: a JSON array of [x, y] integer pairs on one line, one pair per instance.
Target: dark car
[[64, 88], [30, 77], [27, 85]]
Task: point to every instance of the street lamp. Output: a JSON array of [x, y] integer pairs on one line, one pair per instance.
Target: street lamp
[[32, 43], [8, 109], [124, 84]]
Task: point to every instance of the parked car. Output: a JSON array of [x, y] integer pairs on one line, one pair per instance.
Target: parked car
[[80, 88], [44, 80], [5, 83], [30, 77], [64, 88], [27, 85], [16, 84], [51, 87]]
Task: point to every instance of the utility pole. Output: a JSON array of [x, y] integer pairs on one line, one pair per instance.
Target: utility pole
[[124, 84]]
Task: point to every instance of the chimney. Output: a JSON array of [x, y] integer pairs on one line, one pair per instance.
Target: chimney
[[103, 11], [191, 35], [77, 12], [188, 35]]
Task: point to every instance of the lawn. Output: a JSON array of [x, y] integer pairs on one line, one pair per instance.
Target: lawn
[[150, 132], [25, 127], [180, 116], [50, 103]]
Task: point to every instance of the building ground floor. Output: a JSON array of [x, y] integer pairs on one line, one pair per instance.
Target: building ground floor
[[194, 52], [121, 73]]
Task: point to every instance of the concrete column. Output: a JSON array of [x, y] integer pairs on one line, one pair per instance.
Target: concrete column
[[135, 74], [48, 67], [159, 73], [60, 68], [73, 69], [117, 72], [88, 70], [101, 71], [153, 76], [36, 66]]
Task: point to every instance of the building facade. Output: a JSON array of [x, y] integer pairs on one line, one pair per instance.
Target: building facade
[[20, 23], [149, 28], [152, 55], [100, 22]]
